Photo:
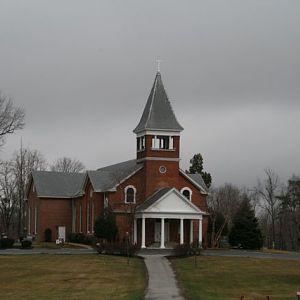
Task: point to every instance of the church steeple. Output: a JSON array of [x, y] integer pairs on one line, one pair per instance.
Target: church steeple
[[158, 114], [158, 132]]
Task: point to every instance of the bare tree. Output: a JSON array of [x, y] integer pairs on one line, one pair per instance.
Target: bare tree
[[67, 165], [8, 198], [24, 162], [224, 200], [268, 191], [11, 118]]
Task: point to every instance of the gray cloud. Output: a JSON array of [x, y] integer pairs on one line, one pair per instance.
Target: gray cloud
[[83, 72]]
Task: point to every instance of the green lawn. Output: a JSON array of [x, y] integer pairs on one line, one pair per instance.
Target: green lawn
[[71, 277], [230, 277]]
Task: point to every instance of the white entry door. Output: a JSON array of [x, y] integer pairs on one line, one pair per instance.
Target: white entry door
[[62, 232]]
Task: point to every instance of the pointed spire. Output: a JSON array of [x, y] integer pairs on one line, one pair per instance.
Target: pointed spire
[[158, 113]]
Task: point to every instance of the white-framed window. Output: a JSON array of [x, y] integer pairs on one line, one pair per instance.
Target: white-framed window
[[187, 193], [33, 188], [73, 216], [35, 219], [80, 218], [130, 193], [93, 215], [105, 200], [88, 218]]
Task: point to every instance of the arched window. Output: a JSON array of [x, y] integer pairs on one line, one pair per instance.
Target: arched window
[[187, 193], [130, 192]]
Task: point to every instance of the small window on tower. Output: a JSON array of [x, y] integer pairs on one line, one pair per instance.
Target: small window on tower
[[140, 143], [130, 192]]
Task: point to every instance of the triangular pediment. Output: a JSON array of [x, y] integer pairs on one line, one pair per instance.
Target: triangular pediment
[[172, 202]]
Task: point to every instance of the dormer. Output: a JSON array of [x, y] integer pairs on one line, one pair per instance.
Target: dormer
[[158, 131]]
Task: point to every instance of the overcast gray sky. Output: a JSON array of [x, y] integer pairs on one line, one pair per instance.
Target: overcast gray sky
[[83, 71]]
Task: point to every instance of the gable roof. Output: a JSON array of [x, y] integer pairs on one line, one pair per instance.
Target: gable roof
[[107, 178], [158, 113], [152, 199], [168, 200], [58, 184], [197, 180]]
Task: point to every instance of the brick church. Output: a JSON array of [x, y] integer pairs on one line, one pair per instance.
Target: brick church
[[154, 201]]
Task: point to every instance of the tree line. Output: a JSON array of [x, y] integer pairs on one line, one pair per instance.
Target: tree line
[[268, 211]]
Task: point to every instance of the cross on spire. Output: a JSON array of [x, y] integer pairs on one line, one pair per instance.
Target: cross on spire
[[158, 61]]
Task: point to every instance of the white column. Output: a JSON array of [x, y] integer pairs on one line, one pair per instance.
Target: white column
[[171, 145], [162, 233], [191, 232], [135, 231], [200, 233], [143, 232], [181, 232]]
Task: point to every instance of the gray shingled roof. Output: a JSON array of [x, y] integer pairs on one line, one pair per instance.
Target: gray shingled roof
[[158, 113], [152, 199], [199, 180], [107, 178], [58, 184]]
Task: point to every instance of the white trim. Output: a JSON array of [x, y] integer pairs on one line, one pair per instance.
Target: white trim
[[92, 216], [187, 189], [158, 158], [191, 231], [181, 231], [194, 182], [192, 205], [35, 219], [168, 132], [143, 232], [200, 233], [162, 233], [166, 215], [87, 217], [80, 218], [125, 193]]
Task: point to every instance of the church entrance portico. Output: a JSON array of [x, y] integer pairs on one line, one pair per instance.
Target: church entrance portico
[[167, 215]]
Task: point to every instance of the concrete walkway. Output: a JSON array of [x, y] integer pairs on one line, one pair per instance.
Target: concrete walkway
[[162, 283]]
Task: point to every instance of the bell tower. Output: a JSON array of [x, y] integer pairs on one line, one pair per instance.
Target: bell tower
[[158, 140]]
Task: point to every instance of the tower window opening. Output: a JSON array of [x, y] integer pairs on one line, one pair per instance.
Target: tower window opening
[[162, 142], [140, 143]]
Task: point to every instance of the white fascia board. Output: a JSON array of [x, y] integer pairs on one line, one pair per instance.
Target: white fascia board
[[173, 215], [167, 132], [158, 158], [192, 205], [194, 182]]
